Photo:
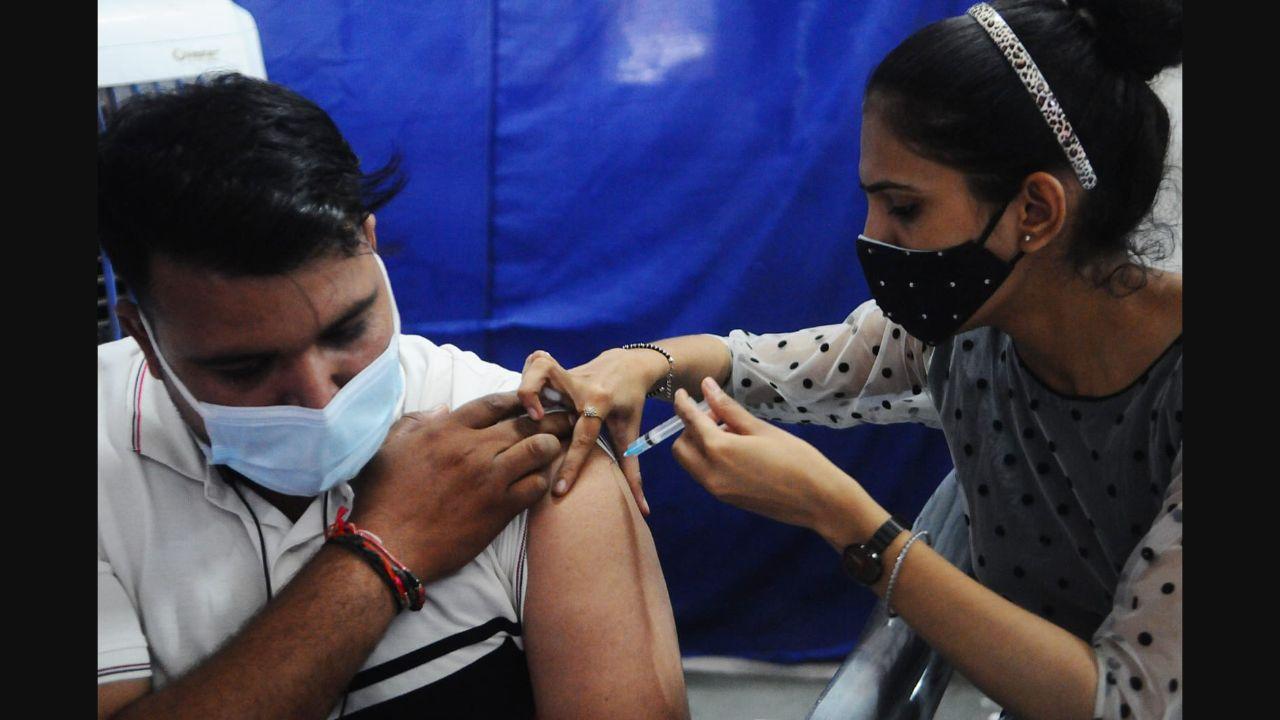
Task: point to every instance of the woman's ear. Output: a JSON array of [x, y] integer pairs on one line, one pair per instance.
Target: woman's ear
[[1042, 212], [370, 231]]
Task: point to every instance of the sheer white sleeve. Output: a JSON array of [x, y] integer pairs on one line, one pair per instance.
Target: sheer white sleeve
[[1139, 646], [865, 369]]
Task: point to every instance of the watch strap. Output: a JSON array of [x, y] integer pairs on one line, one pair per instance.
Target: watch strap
[[885, 534], [864, 562]]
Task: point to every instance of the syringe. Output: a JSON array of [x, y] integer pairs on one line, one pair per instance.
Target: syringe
[[660, 433]]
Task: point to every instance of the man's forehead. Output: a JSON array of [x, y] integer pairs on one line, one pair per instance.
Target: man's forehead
[[203, 308]]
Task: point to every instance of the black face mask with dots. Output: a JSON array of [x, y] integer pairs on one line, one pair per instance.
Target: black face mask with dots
[[932, 293]]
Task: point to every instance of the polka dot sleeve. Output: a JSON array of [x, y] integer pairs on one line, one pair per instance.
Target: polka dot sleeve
[[1139, 645], [865, 369]]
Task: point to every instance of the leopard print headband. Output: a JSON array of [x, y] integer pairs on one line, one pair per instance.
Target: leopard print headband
[[1030, 75]]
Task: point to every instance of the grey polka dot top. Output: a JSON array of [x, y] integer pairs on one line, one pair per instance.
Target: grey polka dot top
[[1074, 504]]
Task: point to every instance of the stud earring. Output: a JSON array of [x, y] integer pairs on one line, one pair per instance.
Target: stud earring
[[1026, 239]]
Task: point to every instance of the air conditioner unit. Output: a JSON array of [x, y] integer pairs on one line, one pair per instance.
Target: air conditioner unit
[[155, 45]]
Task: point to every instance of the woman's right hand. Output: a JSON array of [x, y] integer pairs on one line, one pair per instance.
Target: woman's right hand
[[614, 384]]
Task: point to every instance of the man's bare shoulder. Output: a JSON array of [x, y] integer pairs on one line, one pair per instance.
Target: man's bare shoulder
[[599, 631]]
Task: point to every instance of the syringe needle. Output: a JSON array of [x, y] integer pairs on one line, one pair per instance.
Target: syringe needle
[[659, 433]]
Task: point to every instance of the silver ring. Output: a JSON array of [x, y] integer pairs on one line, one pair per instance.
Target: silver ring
[[591, 412]]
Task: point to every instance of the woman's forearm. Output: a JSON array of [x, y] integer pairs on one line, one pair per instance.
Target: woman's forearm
[[1030, 666], [696, 357]]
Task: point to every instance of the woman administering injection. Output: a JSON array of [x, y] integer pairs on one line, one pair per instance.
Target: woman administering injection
[[1008, 157]]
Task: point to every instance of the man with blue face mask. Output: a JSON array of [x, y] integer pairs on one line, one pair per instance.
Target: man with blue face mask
[[303, 512]]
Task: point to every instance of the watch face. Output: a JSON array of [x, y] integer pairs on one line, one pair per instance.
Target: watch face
[[862, 564]]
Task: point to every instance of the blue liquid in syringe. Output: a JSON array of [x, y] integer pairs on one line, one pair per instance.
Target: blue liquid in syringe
[[659, 433]]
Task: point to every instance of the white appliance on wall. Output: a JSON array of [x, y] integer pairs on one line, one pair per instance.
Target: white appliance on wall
[[155, 45], [151, 41]]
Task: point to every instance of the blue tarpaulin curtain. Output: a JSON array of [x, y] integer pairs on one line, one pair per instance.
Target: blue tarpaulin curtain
[[582, 175]]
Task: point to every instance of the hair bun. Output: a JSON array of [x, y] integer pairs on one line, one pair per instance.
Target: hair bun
[[1138, 36]]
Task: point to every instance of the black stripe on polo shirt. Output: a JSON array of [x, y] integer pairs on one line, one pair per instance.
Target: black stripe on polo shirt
[[427, 653], [117, 669], [495, 686]]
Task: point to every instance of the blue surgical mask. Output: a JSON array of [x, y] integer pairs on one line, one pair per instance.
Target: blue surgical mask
[[305, 451]]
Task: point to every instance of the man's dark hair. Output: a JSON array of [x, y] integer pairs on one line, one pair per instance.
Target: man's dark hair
[[949, 93], [236, 175]]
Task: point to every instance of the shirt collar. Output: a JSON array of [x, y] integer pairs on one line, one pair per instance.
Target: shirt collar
[[158, 431]]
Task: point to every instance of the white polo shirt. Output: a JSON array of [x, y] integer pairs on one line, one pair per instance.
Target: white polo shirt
[[180, 569]]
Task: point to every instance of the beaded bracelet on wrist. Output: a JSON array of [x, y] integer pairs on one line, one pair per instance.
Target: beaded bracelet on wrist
[[668, 391]]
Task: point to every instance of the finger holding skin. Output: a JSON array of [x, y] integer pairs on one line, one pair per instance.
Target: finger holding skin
[[488, 410], [559, 424], [527, 456], [585, 432], [527, 491], [529, 391], [623, 433], [413, 421], [540, 371]]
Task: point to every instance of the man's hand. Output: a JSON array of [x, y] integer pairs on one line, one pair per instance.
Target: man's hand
[[441, 487], [444, 484]]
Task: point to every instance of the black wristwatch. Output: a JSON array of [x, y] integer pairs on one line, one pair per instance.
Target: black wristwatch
[[863, 561]]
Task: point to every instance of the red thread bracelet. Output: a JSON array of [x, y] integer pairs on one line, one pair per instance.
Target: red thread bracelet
[[408, 590]]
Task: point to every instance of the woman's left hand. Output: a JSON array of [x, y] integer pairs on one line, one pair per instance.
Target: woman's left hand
[[755, 465]]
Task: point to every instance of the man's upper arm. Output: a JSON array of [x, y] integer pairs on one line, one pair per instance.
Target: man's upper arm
[[115, 696], [599, 633]]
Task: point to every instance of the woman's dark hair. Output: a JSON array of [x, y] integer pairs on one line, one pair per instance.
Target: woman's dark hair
[[949, 93], [236, 175]]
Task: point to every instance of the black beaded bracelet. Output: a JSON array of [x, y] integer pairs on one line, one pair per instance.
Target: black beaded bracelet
[[670, 391]]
